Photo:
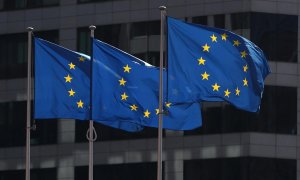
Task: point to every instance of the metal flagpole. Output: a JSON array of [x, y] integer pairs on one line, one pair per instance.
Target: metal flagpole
[[28, 125], [160, 120], [91, 128]]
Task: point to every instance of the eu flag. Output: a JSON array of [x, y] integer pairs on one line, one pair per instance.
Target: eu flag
[[210, 64], [62, 86], [62, 82], [125, 89]]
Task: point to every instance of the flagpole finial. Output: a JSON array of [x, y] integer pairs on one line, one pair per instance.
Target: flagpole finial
[[162, 8], [30, 28], [92, 27]]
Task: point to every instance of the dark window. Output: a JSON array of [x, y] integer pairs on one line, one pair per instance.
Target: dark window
[[240, 21], [25, 4], [36, 174], [244, 168], [219, 21], [106, 133], [13, 53], [275, 34], [144, 41], [200, 20], [140, 39], [278, 111], [115, 35], [132, 171], [13, 126], [90, 1], [278, 114]]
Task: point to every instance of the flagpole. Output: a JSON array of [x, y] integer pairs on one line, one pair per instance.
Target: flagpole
[[91, 128], [28, 119], [160, 120]]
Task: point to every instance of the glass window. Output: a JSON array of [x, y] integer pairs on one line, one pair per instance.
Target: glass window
[[13, 53], [278, 114], [116, 35], [141, 39], [144, 41], [276, 35], [243, 168], [90, 1], [200, 20], [107, 133], [132, 171], [240, 21], [278, 111], [24, 4], [36, 174], [13, 126], [219, 21]]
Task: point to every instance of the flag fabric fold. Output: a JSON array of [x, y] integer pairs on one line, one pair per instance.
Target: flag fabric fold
[[210, 64]]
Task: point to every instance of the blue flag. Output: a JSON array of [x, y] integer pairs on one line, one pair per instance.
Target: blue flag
[[62, 85], [210, 64], [125, 89], [62, 82]]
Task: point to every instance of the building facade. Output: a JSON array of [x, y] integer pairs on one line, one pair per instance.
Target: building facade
[[231, 144]]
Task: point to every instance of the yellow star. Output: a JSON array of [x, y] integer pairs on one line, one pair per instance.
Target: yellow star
[[206, 48], [201, 61], [168, 104], [245, 68], [133, 107], [80, 104], [124, 96], [127, 68], [122, 82], [236, 43], [237, 91], [68, 78], [224, 36], [227, 92], [81, 59], [72, 66], [213, 38], [205, 76], [147, 114], [71, 92], [245, 82], [157, 111], [216, 87], [244, 54]]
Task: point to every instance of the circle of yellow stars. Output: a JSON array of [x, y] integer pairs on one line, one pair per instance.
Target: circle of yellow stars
[[202, 62], [69, 78], [124, 96]]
